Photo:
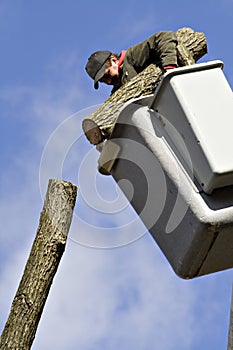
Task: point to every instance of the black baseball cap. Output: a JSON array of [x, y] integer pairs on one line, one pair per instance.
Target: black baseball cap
[[95, 66]]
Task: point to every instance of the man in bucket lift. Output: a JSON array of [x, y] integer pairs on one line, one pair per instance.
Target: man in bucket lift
[[113, 69]]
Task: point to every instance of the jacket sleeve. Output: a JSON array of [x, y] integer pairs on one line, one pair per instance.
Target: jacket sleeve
[[165, 43], [159, 49]]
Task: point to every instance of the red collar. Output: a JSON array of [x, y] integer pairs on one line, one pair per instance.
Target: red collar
[[121, 58]]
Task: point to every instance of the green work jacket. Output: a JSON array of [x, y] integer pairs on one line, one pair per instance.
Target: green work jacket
[[159, 49]]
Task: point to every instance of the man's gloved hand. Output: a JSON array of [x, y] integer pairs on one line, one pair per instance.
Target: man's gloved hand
[[164, 69], [171, 66]]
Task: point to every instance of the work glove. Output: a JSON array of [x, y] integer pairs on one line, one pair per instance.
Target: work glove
[[171, 66]]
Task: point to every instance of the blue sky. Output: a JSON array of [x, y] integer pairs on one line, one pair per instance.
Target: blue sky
[[103, 297]]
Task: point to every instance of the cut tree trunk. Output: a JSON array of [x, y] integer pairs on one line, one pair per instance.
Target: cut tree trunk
[[99, 125], [41, 267]]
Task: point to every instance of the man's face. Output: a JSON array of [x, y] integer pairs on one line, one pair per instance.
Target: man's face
[[111, 76]]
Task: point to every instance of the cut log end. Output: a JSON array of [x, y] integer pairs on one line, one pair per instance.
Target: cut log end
[[92, 131]]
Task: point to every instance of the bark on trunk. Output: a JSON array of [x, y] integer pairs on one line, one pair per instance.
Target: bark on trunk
[[99, 125], [41, 267]]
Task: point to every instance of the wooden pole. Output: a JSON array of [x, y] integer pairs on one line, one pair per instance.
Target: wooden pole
[[41, 267], [99, 125]]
